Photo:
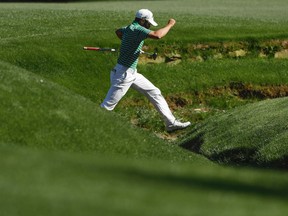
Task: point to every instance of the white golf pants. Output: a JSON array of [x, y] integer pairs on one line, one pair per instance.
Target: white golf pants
[[122, 78]]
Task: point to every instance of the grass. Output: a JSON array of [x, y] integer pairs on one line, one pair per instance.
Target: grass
[[61, 154]]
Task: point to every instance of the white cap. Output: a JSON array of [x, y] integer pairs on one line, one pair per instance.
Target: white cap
[[147, 15]]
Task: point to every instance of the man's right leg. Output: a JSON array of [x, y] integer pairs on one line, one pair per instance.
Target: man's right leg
[[153, 93], [121, 79]]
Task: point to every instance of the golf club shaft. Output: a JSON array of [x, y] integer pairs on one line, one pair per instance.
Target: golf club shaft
[[154, 55]]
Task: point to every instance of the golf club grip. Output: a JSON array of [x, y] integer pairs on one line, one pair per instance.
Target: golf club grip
[[99, 49], [92, 48]]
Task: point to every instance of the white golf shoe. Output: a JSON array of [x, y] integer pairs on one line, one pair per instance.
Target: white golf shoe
[[177, 125]]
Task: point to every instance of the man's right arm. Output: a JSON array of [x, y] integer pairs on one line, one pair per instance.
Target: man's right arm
[[158, 34]]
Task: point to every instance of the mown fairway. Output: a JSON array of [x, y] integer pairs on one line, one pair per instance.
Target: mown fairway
[[60, 154]]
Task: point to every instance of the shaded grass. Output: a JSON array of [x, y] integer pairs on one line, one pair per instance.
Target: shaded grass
[[50, 183]]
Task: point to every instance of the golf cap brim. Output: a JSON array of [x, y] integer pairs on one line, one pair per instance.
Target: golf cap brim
[[152, 22], [147, 15]]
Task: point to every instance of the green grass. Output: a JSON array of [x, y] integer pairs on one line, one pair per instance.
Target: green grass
[[60, 154]]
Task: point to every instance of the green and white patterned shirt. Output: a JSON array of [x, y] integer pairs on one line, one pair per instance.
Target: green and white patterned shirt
[[133, 37]]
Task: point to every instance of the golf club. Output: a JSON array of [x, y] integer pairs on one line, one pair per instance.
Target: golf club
[[153, 55]]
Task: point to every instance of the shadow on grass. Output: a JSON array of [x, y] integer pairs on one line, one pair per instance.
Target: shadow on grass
[[242, 156], [194, 144], [278, 190], [247, 157]]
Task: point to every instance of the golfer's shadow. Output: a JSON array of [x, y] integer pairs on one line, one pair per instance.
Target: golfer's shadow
[[194, 144]]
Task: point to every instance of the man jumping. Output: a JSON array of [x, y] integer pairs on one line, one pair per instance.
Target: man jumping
[[125, 75]]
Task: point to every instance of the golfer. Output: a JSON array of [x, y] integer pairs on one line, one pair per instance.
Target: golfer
[[125, 75]]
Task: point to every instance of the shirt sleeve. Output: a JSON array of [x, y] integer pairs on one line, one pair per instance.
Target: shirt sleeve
[[123, 29], [143, 32]]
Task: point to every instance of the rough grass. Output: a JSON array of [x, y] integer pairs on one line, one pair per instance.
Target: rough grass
[[196, 90]]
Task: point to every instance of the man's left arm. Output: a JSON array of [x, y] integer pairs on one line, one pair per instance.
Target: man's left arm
[[119, 33]]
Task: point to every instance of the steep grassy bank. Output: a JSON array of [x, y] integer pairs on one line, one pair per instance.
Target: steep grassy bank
[[251, 135]]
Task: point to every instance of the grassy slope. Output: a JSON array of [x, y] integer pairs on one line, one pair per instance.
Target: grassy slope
[[253, 134]]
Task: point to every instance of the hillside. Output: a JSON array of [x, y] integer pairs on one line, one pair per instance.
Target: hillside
[[40, 114]]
